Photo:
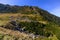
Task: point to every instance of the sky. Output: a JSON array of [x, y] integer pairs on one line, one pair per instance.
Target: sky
[[52, 6]]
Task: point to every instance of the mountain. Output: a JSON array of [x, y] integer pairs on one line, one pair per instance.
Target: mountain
[[28, 21]]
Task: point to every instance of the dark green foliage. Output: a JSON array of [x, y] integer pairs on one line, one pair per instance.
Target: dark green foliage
[[48, 16], [32, 27], [35, 27]]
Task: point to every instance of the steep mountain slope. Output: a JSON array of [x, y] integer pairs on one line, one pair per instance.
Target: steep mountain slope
[[30, 20], [29, 10]]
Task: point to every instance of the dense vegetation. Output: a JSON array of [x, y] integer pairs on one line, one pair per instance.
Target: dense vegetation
[[32, 27]]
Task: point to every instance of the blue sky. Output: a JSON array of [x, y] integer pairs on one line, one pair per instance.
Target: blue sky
[[53, 6]]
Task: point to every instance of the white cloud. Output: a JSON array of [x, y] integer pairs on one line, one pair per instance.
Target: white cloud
[[8, 1], [56, 11]]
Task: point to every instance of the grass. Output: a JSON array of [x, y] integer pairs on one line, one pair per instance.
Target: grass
[[5, 18]]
